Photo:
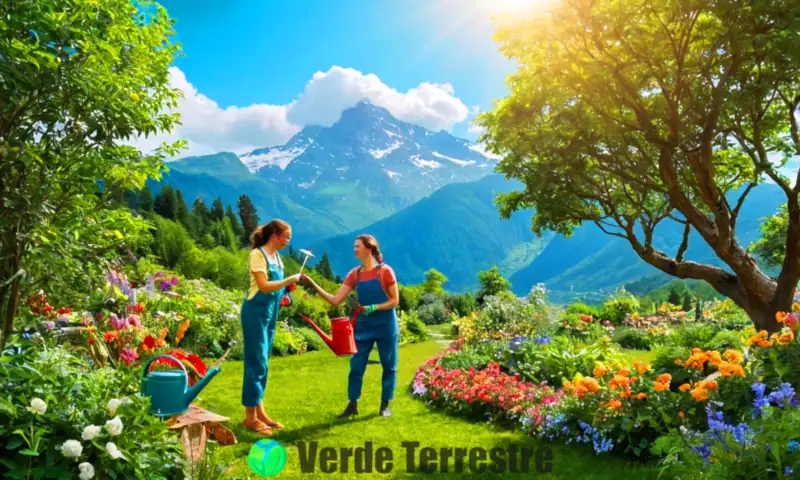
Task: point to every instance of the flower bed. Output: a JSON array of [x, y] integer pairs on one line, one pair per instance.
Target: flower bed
[[677, 407], [483, 392]]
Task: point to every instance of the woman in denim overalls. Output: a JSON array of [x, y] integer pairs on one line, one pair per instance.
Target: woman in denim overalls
[[260, 309], [378, 299]]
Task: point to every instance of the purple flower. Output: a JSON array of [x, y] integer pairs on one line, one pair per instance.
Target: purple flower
[[116, 322], [783, 396]]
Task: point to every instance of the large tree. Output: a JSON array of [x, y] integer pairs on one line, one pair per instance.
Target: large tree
[[634, 115], [77, 78]]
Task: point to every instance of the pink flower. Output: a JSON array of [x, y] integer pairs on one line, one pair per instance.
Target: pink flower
[[548, 399], [50, 324], [128, 355], [116, 322], [134, 321]]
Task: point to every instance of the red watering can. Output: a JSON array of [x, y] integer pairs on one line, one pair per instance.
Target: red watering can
[[343, 343]]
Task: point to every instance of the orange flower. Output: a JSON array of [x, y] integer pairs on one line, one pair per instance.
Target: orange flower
[[664, 378], [625, 393], [733, 356], [642, 396], [781, 317], [682, 415], [590, 384], [711, 385], [785, 338], [679, 362], [624, 372], [614, 404], [619, 380], [640, 367], [148, 344], [714, 358], [661, 387], [600, 370], [758, 339], [685, 387], [110, 336], [700, 394], [181, 331], [633, 379]]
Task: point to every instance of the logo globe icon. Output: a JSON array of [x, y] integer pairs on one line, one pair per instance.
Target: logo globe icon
[[266, 458]]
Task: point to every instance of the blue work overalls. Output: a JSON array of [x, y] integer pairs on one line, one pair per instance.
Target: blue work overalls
[[259, 321], [380, 327]]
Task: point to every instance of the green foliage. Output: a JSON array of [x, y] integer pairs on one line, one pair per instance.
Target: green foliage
[[595, 139], [692, 335], [433, 312], [249, 217], [724, 340], [462, 305], [631, 338], [95, 78], [412, 329], [434, 280], [33, 442], [615, 309], [580, 308], [312, 339], [771, 247], [324, 267], [492, 282], [409, 297], [288, 341], [665, 362]]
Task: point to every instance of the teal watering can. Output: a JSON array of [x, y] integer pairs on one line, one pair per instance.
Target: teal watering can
[[169, 391]]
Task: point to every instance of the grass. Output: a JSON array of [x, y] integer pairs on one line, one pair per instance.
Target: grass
[[306, 392]]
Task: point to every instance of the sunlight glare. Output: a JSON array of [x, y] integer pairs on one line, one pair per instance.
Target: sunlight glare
[[508, 6]]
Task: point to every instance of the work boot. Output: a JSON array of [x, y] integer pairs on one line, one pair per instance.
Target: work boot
[[352, 409], [384, 411]]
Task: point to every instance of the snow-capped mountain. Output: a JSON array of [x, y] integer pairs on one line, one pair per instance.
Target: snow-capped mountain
[[368, 156]]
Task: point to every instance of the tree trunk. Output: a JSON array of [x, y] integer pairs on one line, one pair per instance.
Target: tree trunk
[[13, 301]]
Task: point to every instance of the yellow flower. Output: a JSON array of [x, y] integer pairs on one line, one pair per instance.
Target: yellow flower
[[785, 338], [733, 356]]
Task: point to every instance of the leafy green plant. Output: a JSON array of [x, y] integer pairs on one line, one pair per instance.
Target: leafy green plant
[[632, 338], [59, 416], [433, 313], [412, 330], [724, 340], [616, 309]]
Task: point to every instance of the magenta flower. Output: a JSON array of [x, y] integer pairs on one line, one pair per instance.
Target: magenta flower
[[128, 355], [116, 322], [548, 399], [134, 321]]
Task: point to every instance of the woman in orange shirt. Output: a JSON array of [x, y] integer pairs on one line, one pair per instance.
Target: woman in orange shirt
[[376, 287]]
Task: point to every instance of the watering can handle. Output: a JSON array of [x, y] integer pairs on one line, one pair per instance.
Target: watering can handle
[[147, 366], [355, 315]]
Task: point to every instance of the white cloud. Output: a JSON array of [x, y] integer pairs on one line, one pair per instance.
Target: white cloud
[[208, 128]]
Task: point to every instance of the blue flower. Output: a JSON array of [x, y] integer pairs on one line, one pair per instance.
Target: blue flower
[[793, 446], [541, 340], [787, 471], [783, 396]]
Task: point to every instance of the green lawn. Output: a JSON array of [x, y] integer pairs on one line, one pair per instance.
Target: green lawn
[[306, 393]]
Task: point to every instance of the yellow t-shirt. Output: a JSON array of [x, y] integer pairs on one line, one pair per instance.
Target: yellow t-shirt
[[256, 263]]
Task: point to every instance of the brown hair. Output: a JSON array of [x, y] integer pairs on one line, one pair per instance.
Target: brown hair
[[262, 234], [372, 244]]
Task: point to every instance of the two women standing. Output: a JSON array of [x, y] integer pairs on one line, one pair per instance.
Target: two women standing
[[376, 288]]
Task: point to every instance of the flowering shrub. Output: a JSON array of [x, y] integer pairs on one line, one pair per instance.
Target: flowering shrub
[[61, 418], [500, 318], [584, 327], [767, 441], [778, 354], [483, 392]]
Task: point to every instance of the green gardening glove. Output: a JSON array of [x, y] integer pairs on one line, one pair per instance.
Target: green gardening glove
[[369, 309]]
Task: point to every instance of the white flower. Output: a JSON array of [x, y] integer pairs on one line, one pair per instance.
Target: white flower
[[113, 450], [38, 406], [90, 432], [72, 448], [114, 426], [113, 405], [87, 471]]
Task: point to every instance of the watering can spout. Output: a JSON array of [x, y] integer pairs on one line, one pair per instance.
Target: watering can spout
[[192, 392], [325, 338]]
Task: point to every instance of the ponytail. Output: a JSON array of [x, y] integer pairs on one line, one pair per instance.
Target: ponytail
[[372, 244], [262, 234]]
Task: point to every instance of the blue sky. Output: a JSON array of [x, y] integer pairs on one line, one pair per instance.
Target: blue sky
[[252, 59]]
